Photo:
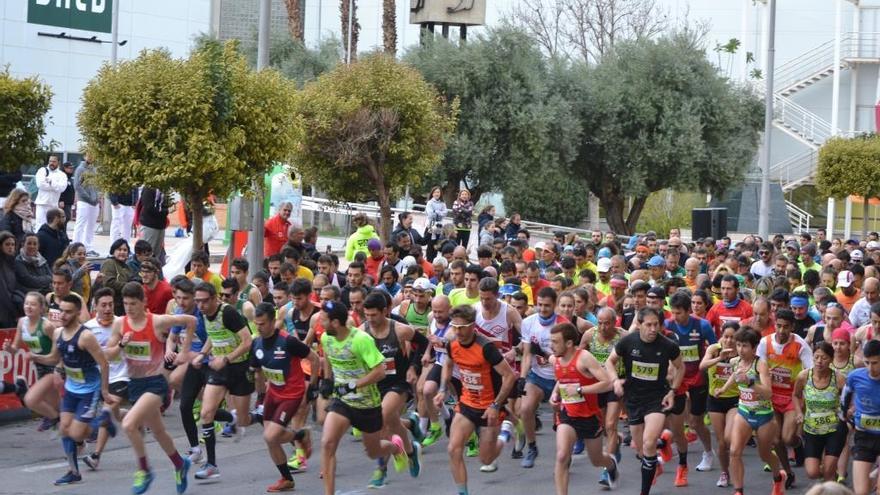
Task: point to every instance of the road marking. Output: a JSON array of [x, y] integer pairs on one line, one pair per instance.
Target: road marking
[[44, 467]]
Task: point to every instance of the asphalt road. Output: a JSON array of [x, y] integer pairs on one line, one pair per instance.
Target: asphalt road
[[30, 461]]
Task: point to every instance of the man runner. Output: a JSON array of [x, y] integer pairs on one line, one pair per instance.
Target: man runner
[[859, 399]]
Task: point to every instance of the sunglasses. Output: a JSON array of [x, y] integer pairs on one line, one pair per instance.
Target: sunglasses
[[466, 325], [226, 295]]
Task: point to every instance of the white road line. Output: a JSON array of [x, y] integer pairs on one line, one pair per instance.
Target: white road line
[[44, 467]]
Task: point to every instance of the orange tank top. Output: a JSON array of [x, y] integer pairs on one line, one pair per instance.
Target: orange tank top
[[784, 367], [480, 382], [144, 354]]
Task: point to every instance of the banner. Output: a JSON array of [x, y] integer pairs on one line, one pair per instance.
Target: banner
[[284, 188], [13, 366], [88, 15]]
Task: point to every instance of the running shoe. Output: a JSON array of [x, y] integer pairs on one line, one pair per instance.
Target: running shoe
[[195, 455], [779, 486], [378, 479], [434, 433], [228, 430], [506, 431], [766, 468], [789, 480], [706, 462], [356, 434], [681, 476], [617, 454], [578, 447], [751, 443], [142, 480], [529, 460], [723, 480], [281, 485], [666, 449], [415, 462], [472, 449], [605, 479], [613, 477], [208, 472], [401, 460], [180, 476], [69, 479], [92, 460], [297, 463], [489, 468], [47, 424], [414, 428], [691, 436], [520, 444]]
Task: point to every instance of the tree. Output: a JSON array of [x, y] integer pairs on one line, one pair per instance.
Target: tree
[[389, 27], [349, 8], [202, 125], [295, 19], [23, 107], [295, 60], [850, 166], [367, 129], [508, 121], [657, 115]]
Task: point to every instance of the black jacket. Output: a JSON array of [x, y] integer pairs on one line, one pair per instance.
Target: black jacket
[[124, 199], [31, 276], [417, 239], [52, 243], [8, 180], [153, 211], [11, 296], [15, 225]]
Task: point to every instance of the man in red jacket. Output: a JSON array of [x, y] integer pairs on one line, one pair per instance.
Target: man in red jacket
[[275, 230]]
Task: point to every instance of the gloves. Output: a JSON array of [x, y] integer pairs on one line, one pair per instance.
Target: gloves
[[325, 387], [344, 389], [536, 350], [519, 388]]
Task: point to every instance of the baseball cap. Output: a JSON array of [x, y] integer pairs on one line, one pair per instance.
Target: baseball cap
[[656, 261], [872, 245], [856, 255], [373, 244], [792, 245], [603, 265], [657, 291], [606, 253], [422, 284], [844, 278], [539, 246]]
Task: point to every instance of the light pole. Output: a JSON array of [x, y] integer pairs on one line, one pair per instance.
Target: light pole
[[764, 208], [255, 236], [348, 41]]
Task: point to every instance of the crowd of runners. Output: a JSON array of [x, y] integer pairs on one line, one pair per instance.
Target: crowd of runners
[[649, 344]]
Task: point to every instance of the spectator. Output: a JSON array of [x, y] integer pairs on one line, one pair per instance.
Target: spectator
[[53, 237], [201, 264], [11, 294], [487, 214], [18, 218], [122, 214], [157, 291], [513, 228], [462, 216], [116, 272], [32, 271], [152, 213], [295, 240], [405, 227], [142, 251], [86, 206], [8, 182], [74, 260], [68, 196], [275, 230], [357, 242], [51, 182]]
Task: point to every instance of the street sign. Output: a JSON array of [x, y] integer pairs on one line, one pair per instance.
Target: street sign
[[88, 15]]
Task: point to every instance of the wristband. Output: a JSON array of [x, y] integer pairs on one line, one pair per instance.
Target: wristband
[[495, 406]]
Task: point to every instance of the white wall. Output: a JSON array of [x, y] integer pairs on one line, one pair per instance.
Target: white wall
[[68, 65]]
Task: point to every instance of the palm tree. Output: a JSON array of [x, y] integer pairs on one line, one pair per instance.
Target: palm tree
[[295, 19], [356, 28], [389, 26]]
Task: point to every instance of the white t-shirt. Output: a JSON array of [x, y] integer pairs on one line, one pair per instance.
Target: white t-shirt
[[534, 332], [806, 354], [118, 368]]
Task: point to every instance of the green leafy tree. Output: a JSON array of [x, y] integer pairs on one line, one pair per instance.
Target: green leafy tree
[[510, 120], [366, 130], [202, 125], [294, 59], [850, 166], [23, 107], [657, 115]]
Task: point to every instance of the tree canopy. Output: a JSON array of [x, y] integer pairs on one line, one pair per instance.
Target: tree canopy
[[850, 166], [202, 125], [368, 129], [23, 107], [657, 114]]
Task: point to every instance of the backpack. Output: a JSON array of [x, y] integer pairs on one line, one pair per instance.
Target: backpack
[[32, 187]]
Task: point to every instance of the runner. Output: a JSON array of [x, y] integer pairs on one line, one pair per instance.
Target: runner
[[62, 285], [102, 326], [817, 407], [86, 371], [716, 365], [35, 330], [276, 356], [859, 400], [487, 380], [470, 293], [786, 355], [239, 269], [730, 307], [692, 335], [352, 368], [843, 362], [536, 375], [647, 357], [579, 378], [140, 336], [392, 340], [225, 354], [866, 333], [438, 335], [600, 340], [751, 375]]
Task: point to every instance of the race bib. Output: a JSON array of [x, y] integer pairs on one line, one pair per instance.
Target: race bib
[[869, 423], [220, 348], [33, 344], [823, 418], [75, 374], [570, 396], [471, 381], [646, 371], [781, 377], [390, 366], [690, 353], [137, 351], [275, 377], [747, 398]]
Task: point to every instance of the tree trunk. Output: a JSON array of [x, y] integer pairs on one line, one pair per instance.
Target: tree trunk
[[389, 27], [195, 206], [866, 207], [635, 212], [295, 19], [384, 212], [355, 28], [614, 213]]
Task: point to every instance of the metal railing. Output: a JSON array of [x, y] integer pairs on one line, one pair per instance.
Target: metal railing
[[799, 218], [820, 59], [795, 169], [813, 129]]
